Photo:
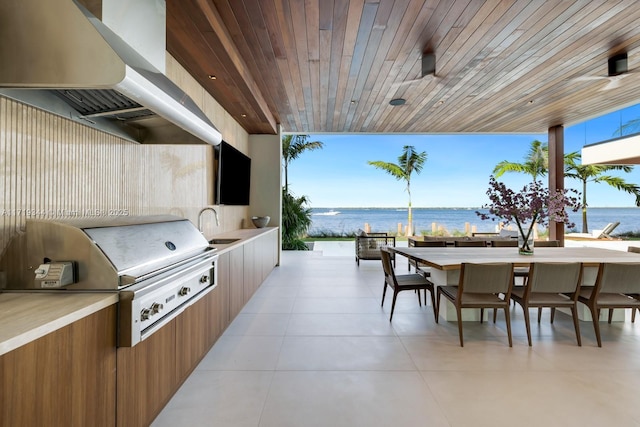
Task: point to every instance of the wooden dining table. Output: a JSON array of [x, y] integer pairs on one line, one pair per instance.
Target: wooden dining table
[[445, 266]]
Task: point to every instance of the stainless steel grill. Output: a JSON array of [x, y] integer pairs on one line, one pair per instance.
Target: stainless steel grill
[[159, 265]]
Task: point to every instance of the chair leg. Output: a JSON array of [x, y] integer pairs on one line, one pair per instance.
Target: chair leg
[[507, 316], [610, 315], [553, 313], [420, 298], [384, 292], [576, 324], [459, 314], [595, 314], [433, 303], [633, 315], [539, 314], [481, 315], [393, 303], [495, 314], [527, 322], [437, 307]]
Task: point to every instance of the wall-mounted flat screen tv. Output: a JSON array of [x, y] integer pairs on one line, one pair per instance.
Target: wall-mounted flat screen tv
[[233, 175]]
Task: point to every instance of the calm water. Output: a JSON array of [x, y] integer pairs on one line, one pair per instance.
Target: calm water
[[349, 220]]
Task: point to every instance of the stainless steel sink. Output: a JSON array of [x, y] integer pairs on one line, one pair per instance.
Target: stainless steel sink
[[222, 241]]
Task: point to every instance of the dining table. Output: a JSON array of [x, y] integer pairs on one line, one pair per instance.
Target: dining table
[[445, 263]]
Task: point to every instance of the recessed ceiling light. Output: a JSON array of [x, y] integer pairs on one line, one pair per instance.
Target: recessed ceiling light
[[212, 77], [397, 101], [243, 115], [353, 102]]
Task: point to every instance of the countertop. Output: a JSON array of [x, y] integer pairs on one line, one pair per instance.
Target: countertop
[[244, 235], [27, 316]]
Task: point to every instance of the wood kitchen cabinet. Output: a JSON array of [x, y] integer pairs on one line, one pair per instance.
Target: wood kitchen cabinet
[[146, 377], [66, 378], [236, 282]]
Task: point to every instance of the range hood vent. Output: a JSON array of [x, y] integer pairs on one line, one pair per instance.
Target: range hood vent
[[59, 57]]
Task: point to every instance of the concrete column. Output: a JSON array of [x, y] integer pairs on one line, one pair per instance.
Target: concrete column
[[556, 175]]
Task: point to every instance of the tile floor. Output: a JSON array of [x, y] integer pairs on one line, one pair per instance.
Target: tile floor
[[313, 347]]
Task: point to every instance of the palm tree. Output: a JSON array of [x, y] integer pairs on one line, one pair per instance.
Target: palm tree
[[596, 173], [292, 147], [296, 217], [536, 162], [409, 161]]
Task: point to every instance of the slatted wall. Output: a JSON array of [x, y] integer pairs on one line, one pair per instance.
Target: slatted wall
[[51, 167]]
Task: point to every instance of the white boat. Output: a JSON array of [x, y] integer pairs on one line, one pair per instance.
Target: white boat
[[331, 212]]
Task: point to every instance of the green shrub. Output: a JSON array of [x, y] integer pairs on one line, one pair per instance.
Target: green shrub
[[296, 220]]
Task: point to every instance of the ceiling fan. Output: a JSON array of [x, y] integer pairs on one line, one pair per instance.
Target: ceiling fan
[[618, 70]]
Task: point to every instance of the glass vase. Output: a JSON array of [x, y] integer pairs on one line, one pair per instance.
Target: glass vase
[[525, 245]]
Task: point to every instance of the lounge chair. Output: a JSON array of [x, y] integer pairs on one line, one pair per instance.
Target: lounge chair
[[605, 233]]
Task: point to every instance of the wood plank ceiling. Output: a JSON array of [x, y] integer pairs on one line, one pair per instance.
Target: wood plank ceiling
[[333, 65]]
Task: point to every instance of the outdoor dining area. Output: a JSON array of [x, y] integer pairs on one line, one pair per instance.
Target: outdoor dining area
[[589, 283]]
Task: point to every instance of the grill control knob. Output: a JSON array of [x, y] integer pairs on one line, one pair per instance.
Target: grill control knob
[[145, 314], [204, 279], [156, 308], [184, 291]]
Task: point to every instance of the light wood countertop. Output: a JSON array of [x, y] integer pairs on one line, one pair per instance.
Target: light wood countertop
[[243, 235], [27, 316]]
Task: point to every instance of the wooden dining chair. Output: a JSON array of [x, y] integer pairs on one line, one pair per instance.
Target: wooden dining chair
[[546, 244], [614, 285], [480, 286], [635, 250], [470, 244], [511, 243], [550, 285], [404, 282]]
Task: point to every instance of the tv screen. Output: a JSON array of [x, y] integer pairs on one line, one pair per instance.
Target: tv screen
[[233, 177]]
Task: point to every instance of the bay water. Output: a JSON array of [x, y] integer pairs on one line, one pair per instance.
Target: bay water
[[337, 221]]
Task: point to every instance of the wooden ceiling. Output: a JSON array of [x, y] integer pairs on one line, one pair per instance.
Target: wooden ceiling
[[333, 65]]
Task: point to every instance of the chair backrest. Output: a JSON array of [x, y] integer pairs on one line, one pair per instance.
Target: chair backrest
[[470, 244], [546, 244], [608, 229], [486, 278], [504, 243], [389, 274], [557, 277], [623, 278], [430, 243]]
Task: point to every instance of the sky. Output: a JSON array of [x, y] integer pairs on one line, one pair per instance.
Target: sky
[[455, 174]]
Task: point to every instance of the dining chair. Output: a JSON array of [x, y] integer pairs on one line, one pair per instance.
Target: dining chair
[[470, 244], [480, 286], [523, 272], [511, 243], [615, 283], [404, 282], [635, 250], [546, 243], [550, 285]]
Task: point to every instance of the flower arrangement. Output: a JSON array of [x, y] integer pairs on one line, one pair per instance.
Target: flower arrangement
[[534, 204]]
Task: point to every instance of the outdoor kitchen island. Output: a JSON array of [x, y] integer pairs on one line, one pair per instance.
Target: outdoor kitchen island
[[66, 369]]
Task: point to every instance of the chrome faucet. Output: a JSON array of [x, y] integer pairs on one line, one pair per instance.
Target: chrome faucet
[[200, 217]]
